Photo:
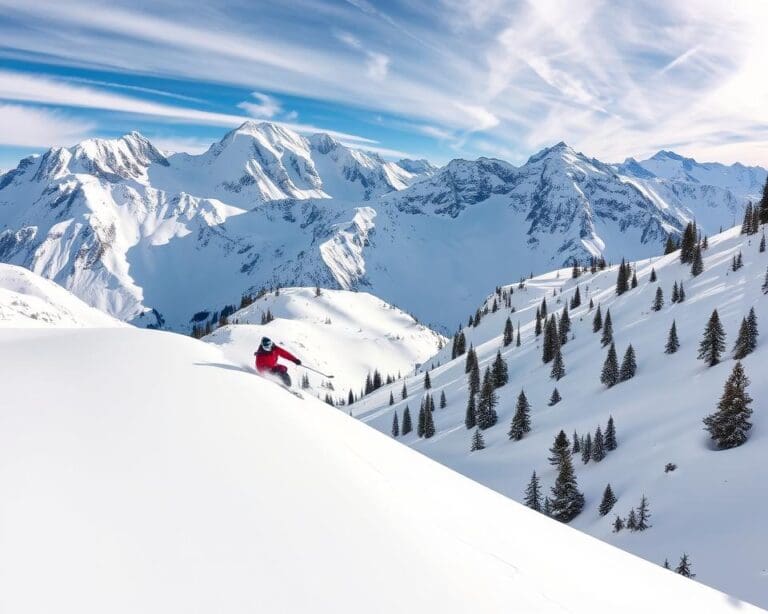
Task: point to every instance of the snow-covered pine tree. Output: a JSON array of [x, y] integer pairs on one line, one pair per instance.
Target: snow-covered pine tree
[[555, 398], [684, 567], [560, 449], [632, 520], [653, 275], [658, 301], [643, 514], [486, 403], [558, 366], [391, 399], [586, 449], [532, 496], [673, 344], [607, 336], [443, 401], [697, 264], [395, 426], [427, 381], [546, 509], [537, 329], [618, 524], [743, 345], [471, 359], [712, 345], [598, 446], [508, 333], [687, 244], [608, 501], [422, 420], [729, 426], [404, 392], [478, 443], [567, 500], [628, 365], [622, 282], [681, 295], [611, 443], [470, 417], [429, 420], [543, 308], [597, 321], [633, 283], [764, 287], [746, 225], [610, 373], [499, 371], [576, 299], [565, 326], [350, 397], [670, 246], [407, 426], [474, 379], [576, 444], [550, 340], [517, 341], [761, 248], [521, 421], [675, 293]]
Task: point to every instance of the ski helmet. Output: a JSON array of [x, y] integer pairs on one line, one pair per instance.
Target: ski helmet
[[266, 344]]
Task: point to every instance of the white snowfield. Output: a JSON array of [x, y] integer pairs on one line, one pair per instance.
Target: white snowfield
[[28, 300], [710, 506], [142, 471], [345, 334]]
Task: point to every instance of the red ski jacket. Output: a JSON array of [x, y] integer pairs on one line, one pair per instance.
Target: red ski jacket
[[266, 361]]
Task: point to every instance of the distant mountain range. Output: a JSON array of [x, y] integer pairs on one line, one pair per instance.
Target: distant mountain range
[[153, 238]]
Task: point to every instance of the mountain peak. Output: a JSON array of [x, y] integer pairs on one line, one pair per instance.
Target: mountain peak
[[558, 150], [665, 154], [323, 142]]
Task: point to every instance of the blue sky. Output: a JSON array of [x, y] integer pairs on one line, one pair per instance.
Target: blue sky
[[443, 79]]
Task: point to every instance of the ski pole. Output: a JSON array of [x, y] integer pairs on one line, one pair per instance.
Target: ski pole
[[316, 371]]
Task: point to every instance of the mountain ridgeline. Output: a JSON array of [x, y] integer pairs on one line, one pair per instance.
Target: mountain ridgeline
[[154, 238]]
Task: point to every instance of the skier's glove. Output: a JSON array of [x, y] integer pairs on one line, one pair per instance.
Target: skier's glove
[[298, 362]]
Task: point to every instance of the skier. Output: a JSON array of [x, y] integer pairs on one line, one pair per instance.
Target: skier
[[266, 360]]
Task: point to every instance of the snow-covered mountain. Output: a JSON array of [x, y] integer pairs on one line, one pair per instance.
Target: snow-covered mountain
[[346, 334], [154, 238], [706, 506], [30, 301], [150, 474]]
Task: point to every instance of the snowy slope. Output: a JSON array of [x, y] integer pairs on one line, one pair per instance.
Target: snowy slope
[[707, 507], [162, 478], [155, 238], [346, 334], [28, 300]]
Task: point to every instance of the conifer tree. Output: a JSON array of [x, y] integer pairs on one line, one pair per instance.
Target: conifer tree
[[546, 509], [673, 344], [729, 426], [486, 403], [567, 500], [576, 300], [598, 446], [607, 337], [517, 342], [632, 520], [746, 225], [521, 421], [653, 275], [610, 373], [474, 379], [422, 422], [712, 345], [537, 330], [658, 301], [675, 293], [443, 401], [618, 524], [499, 371], [576, 444], [407, 426], [543, 308], [764, 287], [508, 332], [404, 392], [697, 264], [470, 418], [565, 326], [391, 399], [742, 347], [471, 359], [560, 449], [666, 564], [681, 296], [427, 381], [684, 567], [350, 397], [586, 449], [643, 514], [687, 244], [395, 426], [478, 443], [608, 501], [597, 321], [622, 282], [429, 420], [558, 366], [611, 443], [555, 398], [761, 248], [752, 328], [591, 304], [628, 365], [670, 245], [533, 493], [633, 283]]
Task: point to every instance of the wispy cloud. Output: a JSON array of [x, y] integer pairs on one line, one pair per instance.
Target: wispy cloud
[[377, 64], [30, 127], [265, 106]]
